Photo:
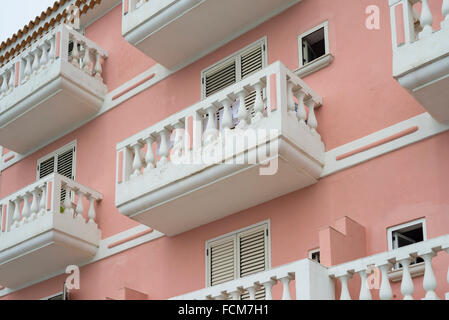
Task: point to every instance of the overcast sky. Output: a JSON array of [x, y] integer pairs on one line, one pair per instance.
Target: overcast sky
[[14, 14]]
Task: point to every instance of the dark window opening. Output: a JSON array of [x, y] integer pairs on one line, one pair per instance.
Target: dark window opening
[[313, 46], [407, 236], [315, 256]]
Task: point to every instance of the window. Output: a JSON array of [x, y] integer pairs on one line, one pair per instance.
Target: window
[[233, 69], [407, 234], [238, 255], [313, 50], [62, 161], [315, 255]]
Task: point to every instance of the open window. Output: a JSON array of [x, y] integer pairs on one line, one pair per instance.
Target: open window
[[315, 255], [407, 234], [313, 47]]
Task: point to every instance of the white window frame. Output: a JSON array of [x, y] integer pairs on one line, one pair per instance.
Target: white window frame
[[63, 149], [311, 252], [236, 253], [325, 26], [406, 225], [235, 56]]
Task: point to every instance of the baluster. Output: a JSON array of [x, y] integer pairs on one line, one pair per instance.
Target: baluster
[[4, 86], [385, 292], [27, 70], [44, 56], [311, 120], [98, 68], [426, 20], [226, 120], [365, 292], [35, 65], [43, 199], [34, 204], [290, 101], [445, 10], [269, 289], [286, 287], [26, 211], [12, 77], [178, 143], [163, 148], [137, 162], [407, 287], [252, 292], [242, 114], [429, 280], [91, 214], [16, 215], [345, 295], [52, 52], [79, 210], [258, 102], [67, 201], [86, 60], [75, 53], [211, 133], [301, 113], [235, 295], [149, 156]]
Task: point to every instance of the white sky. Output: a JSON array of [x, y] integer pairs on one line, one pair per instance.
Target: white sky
[[14, 14]]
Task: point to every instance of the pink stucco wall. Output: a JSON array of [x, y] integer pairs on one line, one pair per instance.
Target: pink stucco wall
[[360, 97]]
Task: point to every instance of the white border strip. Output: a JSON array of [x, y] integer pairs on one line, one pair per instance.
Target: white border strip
[[427, 127]]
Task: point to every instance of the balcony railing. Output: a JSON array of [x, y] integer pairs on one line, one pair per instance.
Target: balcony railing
[[163, 29], [420, 53], [314, 281], [40, 235], [385, 261], [57, 80], [199, 154], [311, 283]]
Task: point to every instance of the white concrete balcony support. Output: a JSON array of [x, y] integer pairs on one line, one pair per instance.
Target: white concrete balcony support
[[311, 283], [197, 151], [163, 29], [427, 250], [421, 54], [39, 235], [50, 87]]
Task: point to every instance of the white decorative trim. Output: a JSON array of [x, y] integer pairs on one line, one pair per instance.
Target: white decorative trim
[[427, 127], [314, 66]]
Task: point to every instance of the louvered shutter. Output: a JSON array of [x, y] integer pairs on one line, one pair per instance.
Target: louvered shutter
[[222, 261], [217, 80], [46, 167], [251, 62], [253, 255]]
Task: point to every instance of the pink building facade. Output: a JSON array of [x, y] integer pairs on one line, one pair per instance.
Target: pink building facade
[[346, 197]]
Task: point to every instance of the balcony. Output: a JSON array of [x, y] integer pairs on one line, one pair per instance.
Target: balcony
[[41, 236], [420, 54], [221, 156], [49, 88], [314, 281], [163, 29]]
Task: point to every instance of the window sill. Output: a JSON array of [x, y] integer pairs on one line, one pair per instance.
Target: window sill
[[315, 65], [416, 270]]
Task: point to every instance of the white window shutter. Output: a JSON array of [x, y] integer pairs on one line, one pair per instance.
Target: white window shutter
[[222, 261], [220, 78], [65, 163], [46, 167]]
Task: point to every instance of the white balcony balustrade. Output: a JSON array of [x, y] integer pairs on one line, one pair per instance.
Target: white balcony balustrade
[[183, 171], [52, 86], [163, 29], [384, 262], [421, 54], [314, 281], [311, 283], [40, 235]]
